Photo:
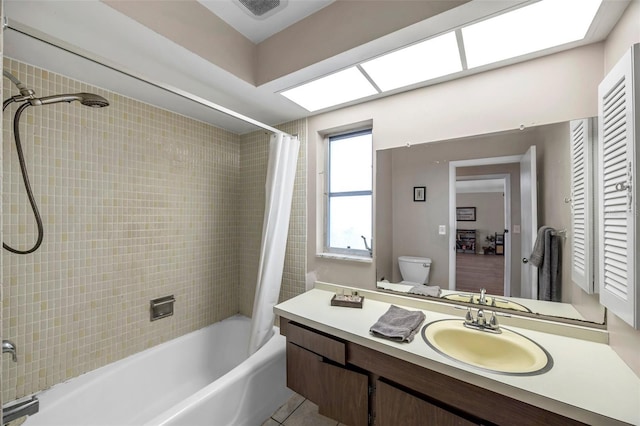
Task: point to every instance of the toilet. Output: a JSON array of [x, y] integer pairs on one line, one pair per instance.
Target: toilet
[[414, 270]]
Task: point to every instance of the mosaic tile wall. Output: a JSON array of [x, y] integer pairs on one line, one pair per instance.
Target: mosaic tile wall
[[254, 152], [137, 203]]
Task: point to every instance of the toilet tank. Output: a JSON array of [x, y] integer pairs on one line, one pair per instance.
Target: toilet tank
[[415, 269]]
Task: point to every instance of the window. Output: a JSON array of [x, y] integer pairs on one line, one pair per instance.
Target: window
[[349, 194]]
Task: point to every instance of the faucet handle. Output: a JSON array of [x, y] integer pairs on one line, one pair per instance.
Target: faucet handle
[[469, 316], [493, 321]]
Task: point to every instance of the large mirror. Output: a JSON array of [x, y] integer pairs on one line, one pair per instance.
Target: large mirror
[[484, 199]]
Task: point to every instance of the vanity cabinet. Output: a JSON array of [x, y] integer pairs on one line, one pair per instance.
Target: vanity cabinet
[[356, 385]]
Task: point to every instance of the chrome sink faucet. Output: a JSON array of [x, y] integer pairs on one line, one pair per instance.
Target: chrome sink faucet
[[483, 296], [9, 347], [480, 322]]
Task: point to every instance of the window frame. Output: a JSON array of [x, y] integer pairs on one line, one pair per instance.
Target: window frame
[[359, 253]]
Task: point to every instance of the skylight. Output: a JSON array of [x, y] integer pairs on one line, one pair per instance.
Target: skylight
[[538, 26], [334, 89], [532, 28], [420, 62]]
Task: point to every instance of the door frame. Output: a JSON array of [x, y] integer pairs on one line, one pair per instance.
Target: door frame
[[506, 202], [453, 165]]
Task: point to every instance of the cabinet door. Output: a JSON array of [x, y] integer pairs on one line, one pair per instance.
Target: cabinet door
[[341, 394], [618, 118], [396, 407], [582, 145]]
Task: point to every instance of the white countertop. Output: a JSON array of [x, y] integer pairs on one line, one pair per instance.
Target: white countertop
[[588, 381]]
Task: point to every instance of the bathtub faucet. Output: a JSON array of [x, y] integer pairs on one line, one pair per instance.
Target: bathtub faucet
[[9, 347]]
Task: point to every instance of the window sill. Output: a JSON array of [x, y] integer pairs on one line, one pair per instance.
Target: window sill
[[346, 257]]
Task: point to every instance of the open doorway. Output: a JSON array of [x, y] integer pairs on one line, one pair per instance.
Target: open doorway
[[520, 226], [483, 204]]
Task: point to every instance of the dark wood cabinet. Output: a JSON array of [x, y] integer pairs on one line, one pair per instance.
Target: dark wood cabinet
[[357, 386], [398, 407], [317, 371]]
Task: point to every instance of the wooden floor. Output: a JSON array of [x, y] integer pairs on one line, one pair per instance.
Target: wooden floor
[[476, 271]]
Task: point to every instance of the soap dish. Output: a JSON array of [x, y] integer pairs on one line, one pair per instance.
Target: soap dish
[[348, 301]]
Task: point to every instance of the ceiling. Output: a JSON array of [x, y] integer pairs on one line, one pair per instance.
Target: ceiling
[[215, 52]]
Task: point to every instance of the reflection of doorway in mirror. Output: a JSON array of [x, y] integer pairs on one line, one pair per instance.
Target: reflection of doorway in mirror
[[481, 267], [518, 276]]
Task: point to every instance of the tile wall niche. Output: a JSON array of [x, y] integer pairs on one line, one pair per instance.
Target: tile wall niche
[[254, 152], [137, 203]]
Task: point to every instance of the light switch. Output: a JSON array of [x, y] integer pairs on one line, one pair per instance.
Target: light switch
[[516, 229], [442, 229]]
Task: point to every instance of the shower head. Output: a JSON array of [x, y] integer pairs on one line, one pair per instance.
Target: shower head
[[87, 99]]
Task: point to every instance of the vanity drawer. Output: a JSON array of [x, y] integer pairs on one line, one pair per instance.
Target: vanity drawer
[[317, 343], [340, 393]]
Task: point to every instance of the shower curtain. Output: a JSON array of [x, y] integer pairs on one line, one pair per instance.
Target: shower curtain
[[281, 173]]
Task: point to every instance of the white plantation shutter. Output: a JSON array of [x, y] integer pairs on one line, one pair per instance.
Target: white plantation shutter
[[582, 143], [617, 254]]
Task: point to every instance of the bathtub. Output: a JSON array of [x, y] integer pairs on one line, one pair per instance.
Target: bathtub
[[202, 378]]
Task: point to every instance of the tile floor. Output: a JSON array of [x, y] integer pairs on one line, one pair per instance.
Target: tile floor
[[298, 411]]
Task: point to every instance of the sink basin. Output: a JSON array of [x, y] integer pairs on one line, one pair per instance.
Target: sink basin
[[507, 353], [499, 303]]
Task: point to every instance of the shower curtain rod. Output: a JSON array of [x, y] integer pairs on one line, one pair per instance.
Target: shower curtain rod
[[55, 42]]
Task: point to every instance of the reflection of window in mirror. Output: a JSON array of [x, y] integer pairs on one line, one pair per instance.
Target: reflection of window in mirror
[[349, 194]]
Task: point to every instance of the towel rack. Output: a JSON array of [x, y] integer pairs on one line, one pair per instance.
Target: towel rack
[[561, 233]]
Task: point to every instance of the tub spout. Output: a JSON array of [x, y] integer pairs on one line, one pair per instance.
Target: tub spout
[[9, 347]]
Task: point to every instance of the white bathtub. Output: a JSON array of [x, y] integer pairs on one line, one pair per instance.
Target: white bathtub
[[202, 378]]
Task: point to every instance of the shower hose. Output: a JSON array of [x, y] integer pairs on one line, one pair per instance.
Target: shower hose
[[25, 177]]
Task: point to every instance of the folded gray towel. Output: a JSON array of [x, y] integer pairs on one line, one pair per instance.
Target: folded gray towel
[[424, 290], [398, 324]]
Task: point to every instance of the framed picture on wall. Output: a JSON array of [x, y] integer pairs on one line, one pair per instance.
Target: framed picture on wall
[[419, 193], [466, 214]]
